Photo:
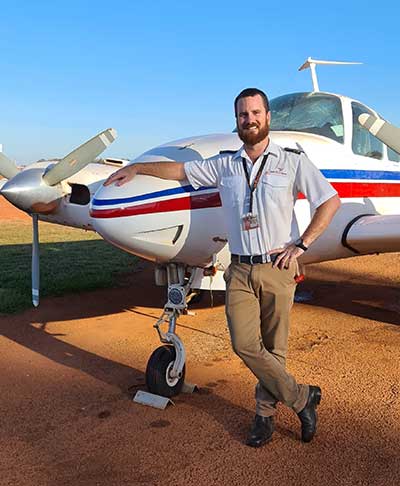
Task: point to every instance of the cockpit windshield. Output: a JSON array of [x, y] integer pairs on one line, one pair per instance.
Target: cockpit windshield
[[317, 113]]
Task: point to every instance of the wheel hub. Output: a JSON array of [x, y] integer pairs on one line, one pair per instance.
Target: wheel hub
[[171, 380]]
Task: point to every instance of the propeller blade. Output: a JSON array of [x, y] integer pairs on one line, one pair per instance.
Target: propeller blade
[[8, 168], [35, 261], [80, 157], [382, 130]]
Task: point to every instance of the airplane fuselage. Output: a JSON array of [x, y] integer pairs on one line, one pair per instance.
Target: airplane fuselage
[[164, 221]]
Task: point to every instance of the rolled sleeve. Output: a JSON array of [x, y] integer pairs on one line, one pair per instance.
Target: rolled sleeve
[[202, 173], [312, 183]]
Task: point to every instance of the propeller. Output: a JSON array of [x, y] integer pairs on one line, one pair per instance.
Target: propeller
[[80, 157], [36, 190], [382, 130], [8, 168]]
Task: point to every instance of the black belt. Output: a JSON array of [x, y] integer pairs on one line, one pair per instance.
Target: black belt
[[254, 259]]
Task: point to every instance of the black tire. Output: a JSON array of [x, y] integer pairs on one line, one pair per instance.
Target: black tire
[[157, 379]]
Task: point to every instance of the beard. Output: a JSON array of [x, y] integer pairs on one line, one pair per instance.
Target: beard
[[250, 137]]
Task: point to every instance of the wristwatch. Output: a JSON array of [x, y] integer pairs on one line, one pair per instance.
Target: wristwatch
[[300, 244]]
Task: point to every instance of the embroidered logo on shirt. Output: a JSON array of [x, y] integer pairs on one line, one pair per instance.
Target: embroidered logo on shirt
[[278, 171]]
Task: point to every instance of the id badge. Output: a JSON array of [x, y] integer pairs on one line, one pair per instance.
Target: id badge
[[250, 221]]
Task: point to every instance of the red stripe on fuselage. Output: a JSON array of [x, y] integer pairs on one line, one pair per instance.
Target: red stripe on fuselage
[[365, 189], [200, 201]]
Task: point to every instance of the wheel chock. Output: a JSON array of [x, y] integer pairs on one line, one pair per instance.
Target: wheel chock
[[152, 400], [189, 388]]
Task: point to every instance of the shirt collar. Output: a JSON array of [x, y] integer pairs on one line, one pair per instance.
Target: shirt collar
[[272, 148]]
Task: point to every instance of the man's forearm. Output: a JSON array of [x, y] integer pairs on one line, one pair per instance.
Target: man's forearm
[[164, 170], [321, 219]]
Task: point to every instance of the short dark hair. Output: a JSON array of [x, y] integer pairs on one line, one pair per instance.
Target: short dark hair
[[252, 92]]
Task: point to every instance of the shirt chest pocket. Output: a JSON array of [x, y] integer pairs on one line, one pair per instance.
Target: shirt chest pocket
[[232, 190], [276, 180], [276, 187]]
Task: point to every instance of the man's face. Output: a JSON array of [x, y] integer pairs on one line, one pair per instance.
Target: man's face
[[252, 120]]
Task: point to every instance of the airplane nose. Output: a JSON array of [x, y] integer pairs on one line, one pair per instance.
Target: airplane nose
[[147, 216], [27, 188]]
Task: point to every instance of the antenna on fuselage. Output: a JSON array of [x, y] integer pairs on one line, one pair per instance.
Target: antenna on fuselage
[[311, 63]]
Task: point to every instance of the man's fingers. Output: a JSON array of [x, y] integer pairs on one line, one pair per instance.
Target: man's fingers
[[278, 259], [112, 178], [123, 179], [122, 176], [276, 250], [283, 263]]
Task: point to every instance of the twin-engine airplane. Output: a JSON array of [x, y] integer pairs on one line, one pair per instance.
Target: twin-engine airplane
[[182, 230]]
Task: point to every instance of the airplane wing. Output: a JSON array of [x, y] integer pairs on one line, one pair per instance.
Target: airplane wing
[[368, 234]]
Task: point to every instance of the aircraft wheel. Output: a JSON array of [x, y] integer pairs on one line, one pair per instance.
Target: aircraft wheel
[[158, 378]]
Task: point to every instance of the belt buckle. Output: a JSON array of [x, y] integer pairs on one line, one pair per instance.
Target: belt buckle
[[251, 260]]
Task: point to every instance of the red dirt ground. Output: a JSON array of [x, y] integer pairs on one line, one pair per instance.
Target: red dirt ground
[[70, 368], [7, 211]]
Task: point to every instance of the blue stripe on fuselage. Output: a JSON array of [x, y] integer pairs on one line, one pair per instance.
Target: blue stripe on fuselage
[[369, 175], [150, 195]]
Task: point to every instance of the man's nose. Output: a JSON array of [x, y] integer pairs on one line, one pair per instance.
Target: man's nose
[[251, 118]]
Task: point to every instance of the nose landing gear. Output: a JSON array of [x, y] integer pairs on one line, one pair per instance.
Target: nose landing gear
[[165, 372]]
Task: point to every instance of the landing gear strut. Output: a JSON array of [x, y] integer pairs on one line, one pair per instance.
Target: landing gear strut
[[165, 372]]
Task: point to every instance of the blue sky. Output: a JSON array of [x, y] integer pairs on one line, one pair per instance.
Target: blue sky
[[163, 70]]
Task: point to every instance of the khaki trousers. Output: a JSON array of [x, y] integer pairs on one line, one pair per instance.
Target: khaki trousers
[[258, 302]]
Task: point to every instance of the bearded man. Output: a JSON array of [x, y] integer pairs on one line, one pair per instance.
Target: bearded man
[[258, 186]]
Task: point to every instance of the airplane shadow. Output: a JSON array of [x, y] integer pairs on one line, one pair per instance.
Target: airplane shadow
[[368, 300], [343, 291]]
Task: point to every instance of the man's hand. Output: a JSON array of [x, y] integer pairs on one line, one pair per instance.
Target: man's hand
[[318, 224], [286, 256], [122, 176]]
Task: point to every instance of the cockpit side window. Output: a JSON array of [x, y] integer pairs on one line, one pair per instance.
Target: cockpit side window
[[364, 143], [317, 113]]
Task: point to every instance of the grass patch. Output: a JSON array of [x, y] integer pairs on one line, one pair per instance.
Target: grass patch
[[71, 260]]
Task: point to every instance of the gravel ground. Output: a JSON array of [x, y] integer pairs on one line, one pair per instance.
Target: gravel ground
[[71, 367]]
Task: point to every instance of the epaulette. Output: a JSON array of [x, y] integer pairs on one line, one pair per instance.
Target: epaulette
[[227, 152], [295, 151]]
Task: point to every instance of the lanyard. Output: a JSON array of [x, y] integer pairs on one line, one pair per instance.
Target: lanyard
[[256, 180]]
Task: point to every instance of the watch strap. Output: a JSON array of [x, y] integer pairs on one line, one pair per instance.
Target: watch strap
[[300, 244]]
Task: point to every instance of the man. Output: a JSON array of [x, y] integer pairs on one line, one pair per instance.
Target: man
[[258, 187]]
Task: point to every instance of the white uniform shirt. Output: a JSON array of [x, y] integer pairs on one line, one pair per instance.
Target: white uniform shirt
[[285, 174]]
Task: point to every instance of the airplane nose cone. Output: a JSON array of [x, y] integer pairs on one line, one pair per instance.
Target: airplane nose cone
[[11, 192], [27, 189]]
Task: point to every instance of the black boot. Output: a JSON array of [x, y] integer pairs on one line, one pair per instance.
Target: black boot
[[308, 416], [261, 431]]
